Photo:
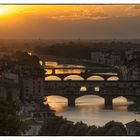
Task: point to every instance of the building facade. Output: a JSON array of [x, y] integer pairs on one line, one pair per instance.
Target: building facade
[[133, 128], [9, 91], [33, 87]]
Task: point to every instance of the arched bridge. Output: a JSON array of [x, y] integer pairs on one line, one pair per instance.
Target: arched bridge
[[106, 89], [85, 73], [67, 61]]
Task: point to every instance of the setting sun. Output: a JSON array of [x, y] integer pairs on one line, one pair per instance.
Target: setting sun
[[1, 10]]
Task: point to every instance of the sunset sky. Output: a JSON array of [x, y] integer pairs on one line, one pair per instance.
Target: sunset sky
[[69, 21]]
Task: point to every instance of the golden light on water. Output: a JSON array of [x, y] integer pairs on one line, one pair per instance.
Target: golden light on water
[[120, 104], [49, 78], [48, 71], [120, 107], [112, 78], [63, 71], [120, 100], [57, 103], [95, 78], [73, 77]]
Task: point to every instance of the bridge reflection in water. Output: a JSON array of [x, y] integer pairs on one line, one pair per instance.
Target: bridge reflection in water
[[89, 102]]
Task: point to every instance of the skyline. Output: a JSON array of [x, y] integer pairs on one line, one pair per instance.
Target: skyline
[[69, 21]]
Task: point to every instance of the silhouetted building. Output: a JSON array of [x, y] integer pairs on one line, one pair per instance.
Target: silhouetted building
[[37, 118], [33, 87], [133, 128], [43, 112], [34, 128], [9, 91], [133, 63], [107, 57]]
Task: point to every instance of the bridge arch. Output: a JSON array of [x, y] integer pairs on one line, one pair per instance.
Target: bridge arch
[[55, 97], [90, 99], [74, 77], [57, 102], [52, 77], [83, 88], [119, 99], [113, 78], [95, 77], [96, 88], [120, 103]]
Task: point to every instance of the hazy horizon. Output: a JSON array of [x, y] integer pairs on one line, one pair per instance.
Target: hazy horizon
[[96, 22]]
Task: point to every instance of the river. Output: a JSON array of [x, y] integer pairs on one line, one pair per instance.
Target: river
[[90, 108]]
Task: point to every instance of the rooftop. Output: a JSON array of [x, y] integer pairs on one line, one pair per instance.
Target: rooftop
[[134, 124]]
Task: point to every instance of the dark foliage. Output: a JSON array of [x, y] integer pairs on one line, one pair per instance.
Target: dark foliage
[[10, 123], [57, 126]]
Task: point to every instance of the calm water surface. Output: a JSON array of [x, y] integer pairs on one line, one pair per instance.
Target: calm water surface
[[90, 109]]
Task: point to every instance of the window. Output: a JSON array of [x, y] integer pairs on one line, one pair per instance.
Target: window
[[33, 89], [96, 89], [39, 89]]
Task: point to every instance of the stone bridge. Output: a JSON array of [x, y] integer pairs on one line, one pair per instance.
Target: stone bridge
[[85, 73], [67, 61], [105, 89], [83, 76]]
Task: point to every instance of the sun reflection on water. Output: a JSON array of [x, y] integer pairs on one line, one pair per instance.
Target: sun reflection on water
[[88, 103]]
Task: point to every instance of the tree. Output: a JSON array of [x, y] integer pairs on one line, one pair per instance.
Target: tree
[[10, 123], [92, 131], [114, 128], [115, 131], [51, 126], [58, 126], [80, 129], [64, 129]]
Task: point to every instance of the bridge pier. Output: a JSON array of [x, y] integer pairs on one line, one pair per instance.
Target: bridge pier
[[53, 72], [71, 101], [108, 102], [105, 78]]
